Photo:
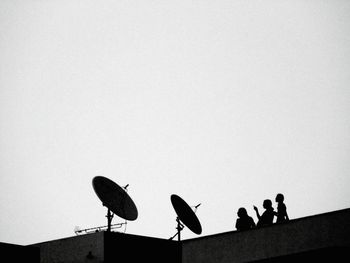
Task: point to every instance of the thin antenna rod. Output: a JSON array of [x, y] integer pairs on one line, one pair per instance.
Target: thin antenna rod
[[78, 231]]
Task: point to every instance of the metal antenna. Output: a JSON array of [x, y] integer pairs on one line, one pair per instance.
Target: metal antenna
[[79, 231]]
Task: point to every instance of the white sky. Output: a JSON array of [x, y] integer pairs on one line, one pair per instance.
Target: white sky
[[225, 103]]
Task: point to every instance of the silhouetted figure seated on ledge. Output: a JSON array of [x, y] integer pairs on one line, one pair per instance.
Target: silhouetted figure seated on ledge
[[267, 217], [244, 222], [281, 213]]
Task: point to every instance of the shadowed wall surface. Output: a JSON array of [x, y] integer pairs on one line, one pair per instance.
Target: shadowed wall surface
[[109, 247], [325, 234], [84, 248], [320, 237], [18, 253]]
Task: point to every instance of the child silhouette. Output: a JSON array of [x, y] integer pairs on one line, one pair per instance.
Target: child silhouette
[[267, 217], [281, 214], [244, 221]]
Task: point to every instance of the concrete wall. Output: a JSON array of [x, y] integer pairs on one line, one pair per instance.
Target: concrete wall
[[325, 236], [132, 248], [18, 253], [316, 233], [110, 247], [77, 249]]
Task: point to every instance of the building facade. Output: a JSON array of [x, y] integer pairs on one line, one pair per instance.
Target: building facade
[[309, 239]]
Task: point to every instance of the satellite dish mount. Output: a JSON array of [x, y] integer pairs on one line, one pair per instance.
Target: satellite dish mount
[[109, 219], [179, 228]]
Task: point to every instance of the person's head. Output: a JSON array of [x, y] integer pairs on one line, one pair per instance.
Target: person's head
[[279, 198], [267, 204], [242, 212]]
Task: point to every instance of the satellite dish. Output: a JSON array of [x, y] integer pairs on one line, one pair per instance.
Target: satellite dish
[[186, 215], [115, 198]]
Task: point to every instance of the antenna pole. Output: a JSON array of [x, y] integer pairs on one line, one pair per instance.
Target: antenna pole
[[179, 228], [109, 220]]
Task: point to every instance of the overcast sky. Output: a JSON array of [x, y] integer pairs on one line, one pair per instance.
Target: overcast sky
[[225, 103]]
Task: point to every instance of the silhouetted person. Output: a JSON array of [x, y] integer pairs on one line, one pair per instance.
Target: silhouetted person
[[244, 222], [281, 213], [267, 217]]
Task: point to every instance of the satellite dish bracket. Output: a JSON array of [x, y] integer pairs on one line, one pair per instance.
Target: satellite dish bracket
[[109, 219], [179, 228]]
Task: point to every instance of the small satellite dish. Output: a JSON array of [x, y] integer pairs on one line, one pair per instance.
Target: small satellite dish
[[186, 215], [115, 198]]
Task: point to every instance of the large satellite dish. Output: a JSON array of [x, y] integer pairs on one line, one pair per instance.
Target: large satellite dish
[[115, 198], [186, 215]]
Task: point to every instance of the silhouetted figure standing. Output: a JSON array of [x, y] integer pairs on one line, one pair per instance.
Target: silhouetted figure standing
[[281, 214], [244, 221], [267, 217]]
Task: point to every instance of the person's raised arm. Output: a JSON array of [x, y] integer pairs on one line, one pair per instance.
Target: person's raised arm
[[256, 211]]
